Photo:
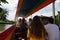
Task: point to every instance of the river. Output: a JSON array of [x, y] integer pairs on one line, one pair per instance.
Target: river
[[4, 27]]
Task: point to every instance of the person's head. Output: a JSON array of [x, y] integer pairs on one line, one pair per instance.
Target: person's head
[[30, 20], [50, 20], [36, 26], [23, 20], [20, 20]]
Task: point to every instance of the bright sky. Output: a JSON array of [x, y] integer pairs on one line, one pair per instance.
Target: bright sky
[[46, 11]]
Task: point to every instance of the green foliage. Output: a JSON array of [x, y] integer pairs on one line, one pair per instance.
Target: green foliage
[[2, 27], [58, 18], [3, 14], [3, 1], [1, 10]]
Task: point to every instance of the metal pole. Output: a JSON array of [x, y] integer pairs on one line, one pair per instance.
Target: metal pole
[[54, 11], [31, 16]]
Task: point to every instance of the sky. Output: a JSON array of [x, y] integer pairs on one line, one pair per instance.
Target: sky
[[46, 11]]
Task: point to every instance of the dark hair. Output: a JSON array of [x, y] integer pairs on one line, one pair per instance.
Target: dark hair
[[37, 27], [20, 19], [50, 20], [23, 20], [30, 19]]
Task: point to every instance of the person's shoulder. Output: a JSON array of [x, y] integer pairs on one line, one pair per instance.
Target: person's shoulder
[[48, 25], [55, 25], [45, 26]]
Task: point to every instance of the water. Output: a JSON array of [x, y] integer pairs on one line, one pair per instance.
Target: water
[[4, 27]]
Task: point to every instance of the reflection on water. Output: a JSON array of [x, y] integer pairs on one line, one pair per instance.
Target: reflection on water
[[3, 27]]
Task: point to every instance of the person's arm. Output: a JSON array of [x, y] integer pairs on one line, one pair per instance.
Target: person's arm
[[28, 35], [46, 34]]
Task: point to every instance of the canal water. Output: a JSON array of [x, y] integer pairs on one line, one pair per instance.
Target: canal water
[[4, 27]]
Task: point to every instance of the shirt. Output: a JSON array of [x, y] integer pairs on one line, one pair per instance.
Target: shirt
[[53, 31]]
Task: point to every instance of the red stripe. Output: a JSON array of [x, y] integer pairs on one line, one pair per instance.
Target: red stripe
[[6, 33]]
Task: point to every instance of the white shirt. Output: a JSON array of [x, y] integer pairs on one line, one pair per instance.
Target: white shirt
[[53, 31]]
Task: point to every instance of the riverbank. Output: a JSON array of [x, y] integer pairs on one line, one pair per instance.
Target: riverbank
[[7, 22]]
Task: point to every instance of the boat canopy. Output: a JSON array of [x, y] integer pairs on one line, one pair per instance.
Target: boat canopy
[[26, 8]]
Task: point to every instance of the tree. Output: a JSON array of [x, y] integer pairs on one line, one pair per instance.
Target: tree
[[3, 1], [58, 18], [3, 14]]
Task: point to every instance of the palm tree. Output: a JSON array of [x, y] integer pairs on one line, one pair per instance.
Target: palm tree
[[3, 14], [3, 1]]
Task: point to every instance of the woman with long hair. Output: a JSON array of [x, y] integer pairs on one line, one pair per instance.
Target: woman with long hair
[[36, 30]]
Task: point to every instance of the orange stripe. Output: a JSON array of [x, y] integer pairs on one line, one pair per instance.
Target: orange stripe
[[18, 8], [39, 7], [9, 36], [6, 33]]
